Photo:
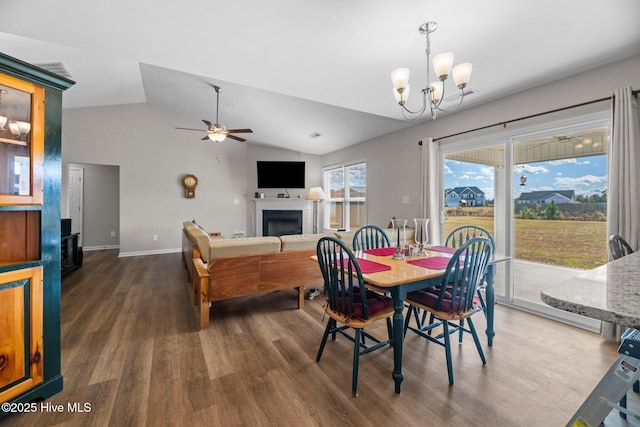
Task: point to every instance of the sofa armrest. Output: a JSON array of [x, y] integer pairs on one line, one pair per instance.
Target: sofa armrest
[[201, 292]]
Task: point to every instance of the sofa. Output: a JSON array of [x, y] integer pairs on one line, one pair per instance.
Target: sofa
[[219, 269]]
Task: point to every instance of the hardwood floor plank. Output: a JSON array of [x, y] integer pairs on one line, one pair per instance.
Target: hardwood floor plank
[[130, 348]]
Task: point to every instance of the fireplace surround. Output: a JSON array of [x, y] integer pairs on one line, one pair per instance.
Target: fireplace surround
[[281, 208]]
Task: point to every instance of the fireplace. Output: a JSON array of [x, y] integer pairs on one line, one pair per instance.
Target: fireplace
[[281, 222], [298, 204]]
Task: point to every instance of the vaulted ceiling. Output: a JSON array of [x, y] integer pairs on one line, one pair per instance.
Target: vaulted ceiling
[[290, 68]]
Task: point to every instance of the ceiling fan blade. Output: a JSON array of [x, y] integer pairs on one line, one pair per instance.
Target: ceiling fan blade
[[205, 138], [199, 130], [237, 138], [239, 131], [207, 122]]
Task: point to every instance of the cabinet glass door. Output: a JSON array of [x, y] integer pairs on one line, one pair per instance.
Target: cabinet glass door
[[21, 141]]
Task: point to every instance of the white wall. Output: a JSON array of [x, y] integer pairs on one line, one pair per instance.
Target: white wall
[[393, 160], [313, 175], [152, 157]]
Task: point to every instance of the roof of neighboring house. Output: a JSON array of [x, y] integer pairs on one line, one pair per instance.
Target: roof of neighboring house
[[461, 190], [540, 195]]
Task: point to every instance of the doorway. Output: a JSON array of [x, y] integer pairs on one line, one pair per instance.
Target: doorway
[[75, 195]]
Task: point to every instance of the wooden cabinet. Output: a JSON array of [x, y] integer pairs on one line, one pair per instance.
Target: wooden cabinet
[[21, 141], [30, 182], [21, 344]]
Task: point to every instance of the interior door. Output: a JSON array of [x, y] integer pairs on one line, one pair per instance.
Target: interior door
[[74, 199]]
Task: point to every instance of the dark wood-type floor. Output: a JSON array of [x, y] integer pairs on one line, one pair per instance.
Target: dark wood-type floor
[[130, 350]]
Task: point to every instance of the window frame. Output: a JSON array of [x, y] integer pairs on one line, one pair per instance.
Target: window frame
[[347, 199]]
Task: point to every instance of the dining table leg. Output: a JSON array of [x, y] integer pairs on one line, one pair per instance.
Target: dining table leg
[[398, 337]]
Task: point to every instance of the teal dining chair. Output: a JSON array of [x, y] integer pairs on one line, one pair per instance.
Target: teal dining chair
[[349, 305], [458, 236], [618, 247], [370, 237], [454, 300]]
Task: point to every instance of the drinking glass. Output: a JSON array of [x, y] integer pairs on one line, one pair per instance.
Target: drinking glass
[[422, 234], [400, 226]]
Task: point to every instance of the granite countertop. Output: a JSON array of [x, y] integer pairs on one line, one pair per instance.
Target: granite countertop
[[610, 292]]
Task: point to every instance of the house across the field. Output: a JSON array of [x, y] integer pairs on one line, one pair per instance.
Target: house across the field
[[465, 196], [542, 197]]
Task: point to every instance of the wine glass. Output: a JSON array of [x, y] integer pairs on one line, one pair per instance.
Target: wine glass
[[421, 234]]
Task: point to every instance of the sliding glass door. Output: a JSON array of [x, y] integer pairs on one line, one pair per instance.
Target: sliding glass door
[[474, 183], [543, 196]]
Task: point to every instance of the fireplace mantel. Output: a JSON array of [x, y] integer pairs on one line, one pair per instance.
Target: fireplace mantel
[[284, 204]]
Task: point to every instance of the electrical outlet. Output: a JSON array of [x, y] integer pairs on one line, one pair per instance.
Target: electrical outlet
[[155, 238], [405, 200], [236, 201], [113, 234]]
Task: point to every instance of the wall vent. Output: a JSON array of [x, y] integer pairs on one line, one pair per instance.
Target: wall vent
[[456, 96], [56, 68]]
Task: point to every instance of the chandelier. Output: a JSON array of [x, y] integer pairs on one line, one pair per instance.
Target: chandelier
[[433, 94]]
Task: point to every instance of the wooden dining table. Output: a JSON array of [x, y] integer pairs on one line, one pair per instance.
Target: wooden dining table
[[404, 277]]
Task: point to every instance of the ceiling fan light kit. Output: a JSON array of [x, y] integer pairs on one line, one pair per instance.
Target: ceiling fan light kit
[[433, 93], [216, 132]]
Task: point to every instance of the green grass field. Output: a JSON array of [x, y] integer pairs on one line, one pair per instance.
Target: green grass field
[[576, 244]]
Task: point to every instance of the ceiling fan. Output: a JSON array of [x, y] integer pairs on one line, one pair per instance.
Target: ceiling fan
[[216, 132]]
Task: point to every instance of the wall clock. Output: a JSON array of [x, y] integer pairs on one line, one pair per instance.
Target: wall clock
[[190, 183]]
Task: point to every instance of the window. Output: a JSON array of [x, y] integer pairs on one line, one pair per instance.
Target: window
[[346, 206]]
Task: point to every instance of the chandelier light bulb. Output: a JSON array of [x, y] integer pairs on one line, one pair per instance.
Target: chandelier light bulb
[[400, 78], [462, 74], [401, 94], [436, 91], [3, 121], [442, 64]]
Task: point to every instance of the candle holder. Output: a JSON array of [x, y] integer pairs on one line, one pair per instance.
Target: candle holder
[[422, 234], [400, 226]]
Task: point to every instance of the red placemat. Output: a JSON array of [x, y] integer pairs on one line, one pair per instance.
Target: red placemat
[[368, 266], [435, 262], [380, 251], [445, 249]]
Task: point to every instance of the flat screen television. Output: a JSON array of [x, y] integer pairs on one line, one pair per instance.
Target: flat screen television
[[280, 174]]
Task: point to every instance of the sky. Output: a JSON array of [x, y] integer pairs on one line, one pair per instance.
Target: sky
[[585, 175]]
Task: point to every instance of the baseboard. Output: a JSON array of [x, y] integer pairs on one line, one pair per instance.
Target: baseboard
[[100, 248], [143, 253]]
